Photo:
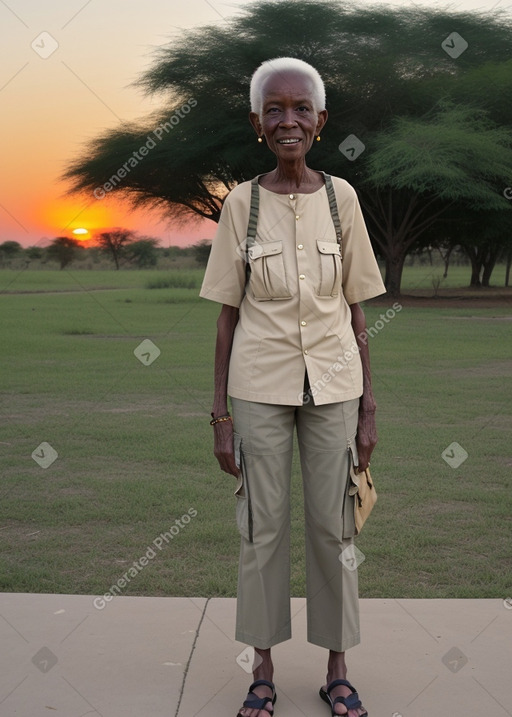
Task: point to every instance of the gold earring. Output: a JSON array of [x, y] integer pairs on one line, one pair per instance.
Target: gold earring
[[260, 139], [318, 138]]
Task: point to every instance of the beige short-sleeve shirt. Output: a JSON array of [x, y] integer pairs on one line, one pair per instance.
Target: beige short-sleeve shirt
[[294, 311]]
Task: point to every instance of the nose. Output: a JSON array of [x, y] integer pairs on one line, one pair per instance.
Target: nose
[[288, 118]]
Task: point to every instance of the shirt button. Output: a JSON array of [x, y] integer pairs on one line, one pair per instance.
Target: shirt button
[[305, 351], [292, 196], [302, 276], [300, 246], [297, 216], [303, 323]]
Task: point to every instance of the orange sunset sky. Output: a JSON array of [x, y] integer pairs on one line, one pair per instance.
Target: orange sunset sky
[[65, 76]]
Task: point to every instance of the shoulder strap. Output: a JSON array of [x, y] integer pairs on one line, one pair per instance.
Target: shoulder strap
[[255, 206], [333, 206], [253, 223], [253, 213]]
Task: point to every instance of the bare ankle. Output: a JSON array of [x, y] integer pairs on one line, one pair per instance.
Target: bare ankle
[[336, 666], [263, 669]]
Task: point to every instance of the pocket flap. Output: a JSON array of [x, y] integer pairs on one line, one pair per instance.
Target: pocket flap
[[328, 247], [355, 481], [237, 444], [237, 448], [266, 249]]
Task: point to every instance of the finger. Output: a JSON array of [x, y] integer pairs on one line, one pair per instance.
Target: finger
[[229, 466], [227, 463]]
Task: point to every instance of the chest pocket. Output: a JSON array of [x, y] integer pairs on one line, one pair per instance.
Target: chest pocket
[[267, 272], [264, 263], [330, 268]]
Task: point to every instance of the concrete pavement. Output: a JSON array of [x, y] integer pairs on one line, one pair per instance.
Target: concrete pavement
[[176, 657]]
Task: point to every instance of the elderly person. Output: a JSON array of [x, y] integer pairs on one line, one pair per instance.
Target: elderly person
[[290, 263]]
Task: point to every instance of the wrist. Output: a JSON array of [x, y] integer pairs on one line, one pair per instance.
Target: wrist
[[220, 409], [220, 418], [367, 407]]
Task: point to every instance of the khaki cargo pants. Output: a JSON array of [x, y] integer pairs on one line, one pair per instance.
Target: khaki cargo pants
[[263, 447]]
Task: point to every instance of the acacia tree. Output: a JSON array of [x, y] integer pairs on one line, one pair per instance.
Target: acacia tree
[[63, 250], [114, 242], [378, 63], [421, 168], [142, 252], [10, 248], [485, 237]]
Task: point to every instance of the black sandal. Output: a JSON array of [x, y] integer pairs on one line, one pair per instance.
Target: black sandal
[[352, 702], [259, 703]]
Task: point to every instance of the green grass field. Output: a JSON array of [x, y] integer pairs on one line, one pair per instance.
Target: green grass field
[[135, 448]]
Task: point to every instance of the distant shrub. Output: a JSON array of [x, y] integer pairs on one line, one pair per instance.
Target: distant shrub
[[177, 300], [77, 332], [202, 251], [173, 281], [10, 248], [143, 252], [34, 252]]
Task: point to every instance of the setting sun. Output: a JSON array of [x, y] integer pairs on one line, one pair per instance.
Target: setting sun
[[73, 215], [81, 234]]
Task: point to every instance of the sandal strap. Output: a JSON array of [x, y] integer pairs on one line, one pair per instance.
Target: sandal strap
[[259, 703], [260, 683], [352, 702], [339, 683], [255, 702]]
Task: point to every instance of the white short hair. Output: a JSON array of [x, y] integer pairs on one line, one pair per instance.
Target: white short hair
[[285, 64]]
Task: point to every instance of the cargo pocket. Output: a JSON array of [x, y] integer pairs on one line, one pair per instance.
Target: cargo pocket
[[330, 268], [349, 523], [268, 276], [242, 494]]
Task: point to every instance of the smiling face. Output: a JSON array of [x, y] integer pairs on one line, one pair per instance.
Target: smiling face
[[289, 119]]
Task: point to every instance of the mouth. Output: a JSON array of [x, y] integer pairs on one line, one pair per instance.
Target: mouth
[[289, 140]]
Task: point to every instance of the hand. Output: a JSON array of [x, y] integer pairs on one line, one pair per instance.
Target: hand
[[223, 447], [366, 438]]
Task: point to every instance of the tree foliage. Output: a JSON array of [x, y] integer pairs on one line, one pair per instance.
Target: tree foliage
[[34, 252], [63, 250], [114, 242], [388, 80], [142, 252], [421, 168], [202, 251], [10, 248]]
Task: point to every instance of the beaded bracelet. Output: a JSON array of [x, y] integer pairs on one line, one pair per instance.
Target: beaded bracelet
[[220, 419]]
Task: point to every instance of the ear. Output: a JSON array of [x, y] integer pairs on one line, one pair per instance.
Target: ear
[[322, 119], [255, 121]]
